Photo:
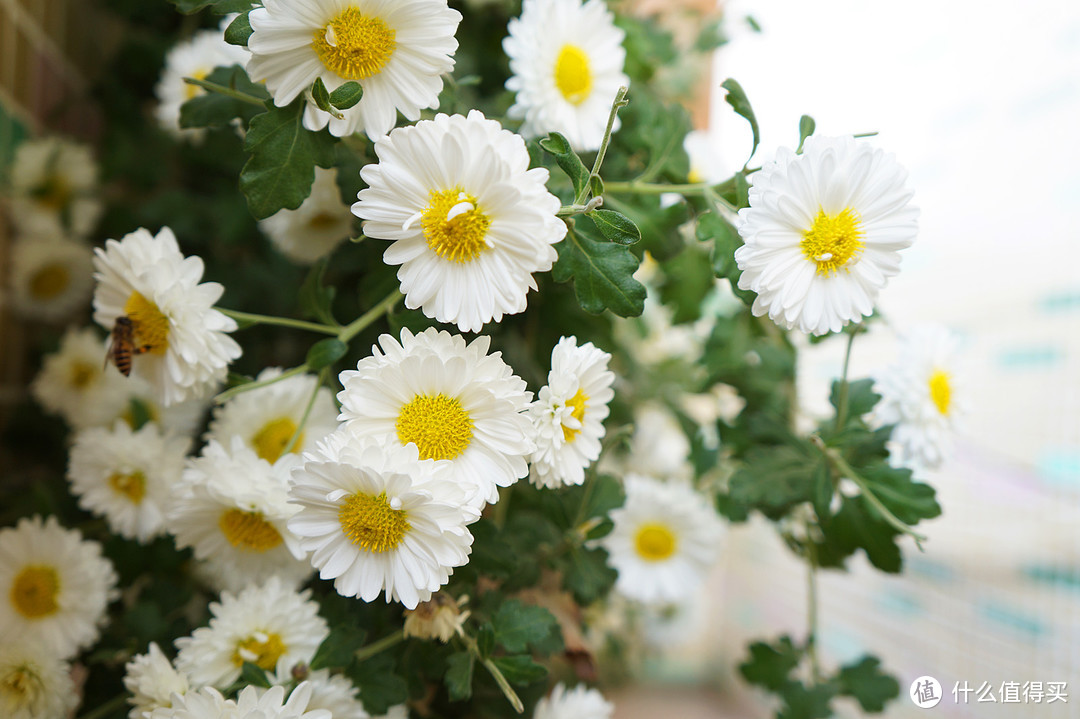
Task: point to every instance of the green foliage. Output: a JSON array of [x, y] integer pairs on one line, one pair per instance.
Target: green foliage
[[568, 161], [239, 30], [381, 686], [615, 226], [520, 626], [602, 274], [325, 353], [865, 681], [212, 109], [459, 675], [773, 480], [321, 97], [520, 669], [688, 278], [736, 97], [254, 675], [339, 647], [770, 664], [316, 298], [346, 95], [806, 129]]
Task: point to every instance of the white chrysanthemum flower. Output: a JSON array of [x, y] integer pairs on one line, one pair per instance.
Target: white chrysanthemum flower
[[195, 57], [469, 221], [314, 229], [377, 519], [452, 401], [34, 683], [74, 383], [823, 233], [566, 60], [57, 586], [185, 351], [152, 680], [569, 414], [332, 692], [666, 535], [918, 395], [397, 51], [270, 625], [252, 703], [580, 702], [54, 188], [51, 279], [127, 476], [231, 508]]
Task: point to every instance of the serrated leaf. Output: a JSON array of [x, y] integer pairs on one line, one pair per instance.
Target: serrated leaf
[[910, 501], [325, 352], [520, 669], [801, 702], [459, 675], [381, 687], [615, 226], [346, 95], [315, 298], [770, 664], [773, 480], [736, 97], [567, 160], [587, 575], [254, 675], [865, 681], [520, 626], [239, 30], [602, 273], [806, 129], [854, 528], [281, 169], [861, 397], [338, 648]]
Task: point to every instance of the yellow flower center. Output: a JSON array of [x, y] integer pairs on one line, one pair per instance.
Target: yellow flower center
[[132, 486], [438, 425], [55, 192], [354, 46], [454, 226], [270, 441], [49, 282], [82, 374], [578, 413], [34, 591], [833, 240], [371, 523], [190, 90], [572, 75], [654, 542], [150, 328], [248, 530], [324, 221], [941, 390], [261, 649]]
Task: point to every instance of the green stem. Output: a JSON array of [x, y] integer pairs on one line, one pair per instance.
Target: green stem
[[307, 412], [227, 91], [496, 674], [653, 188], [280, 321], [247, 386], [620, 101], [369, 650], [842, 400], [106, 709], [812, 608], [361, 323]]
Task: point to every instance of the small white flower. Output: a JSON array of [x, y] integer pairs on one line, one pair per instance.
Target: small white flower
[[195, 57], [184, 349], [75, 384], [665, 537], [51, 279], [270, 625], [377, 519], [54, 186], [452, 401], [823, 233], [577, 703], [34, 683], [568, 415], [126, 476], [55, 585], [397, 51], [469, 221], [332, 692], [659, 446], [315, 228], [152, 681], [252, 703], [567, 63]]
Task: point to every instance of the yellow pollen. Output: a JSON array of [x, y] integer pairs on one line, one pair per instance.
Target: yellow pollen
[[260, 649], [941, 390], [438, 425], [578, 412], [454, 226], [572, 75], [248, 530], [654, 542], [149, 326], [132, 486], [354, 46], [833, 240], [82, 374], [49, 282], [190, 90], [35, 590], [270, 441], [371, 523]]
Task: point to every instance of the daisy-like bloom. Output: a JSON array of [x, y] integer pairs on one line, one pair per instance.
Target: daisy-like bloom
[[469, 221], [252, 703], [74, 383], [577, 703], [450, 400], [918, 396], [397, 51], [566, 60], [823, 233], [569, 414], [333, 692], [56, 586], [439, 618], [270, 625], [377, 519], [315, 228], [50, 279], [54, 188], [127, 476], [664, 539], [184, 351], [195, 57], [34, 684], [267, 418], [231, 507], [152, 680]]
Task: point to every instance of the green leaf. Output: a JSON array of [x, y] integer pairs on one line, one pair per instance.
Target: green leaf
[[774, 479], [221, 7], [770, 664], [687, 278], [254, 675], [191, 6], [520, 669], [801, 702], [823, 489], [806, 129], [568, 160], [338, 648], [346, 95], [140, 413], [615, 226], [711, 36], [381, 687], [909, 501], [742, 190], [485, 639], [322, 98], [713, 227], [459, 675], [602, 273], [279, 173], [212, 109], [736, 97], [239, 30], [314, 297], [865, 681], [856, 526], [861, 397], [587, 574], [325, 352], [519, 626]]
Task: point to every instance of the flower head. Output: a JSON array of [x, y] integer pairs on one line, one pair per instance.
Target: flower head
[[51, 279], [34, 683], [315, 228], [251, 703], [440, 617], [152, 681], [195, 57], [54, 188], [580, 702]]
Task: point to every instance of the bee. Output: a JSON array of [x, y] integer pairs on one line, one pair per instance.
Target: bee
[[122, 345]]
